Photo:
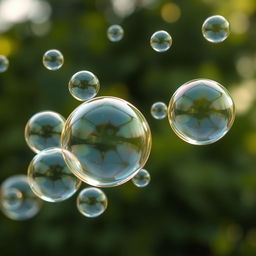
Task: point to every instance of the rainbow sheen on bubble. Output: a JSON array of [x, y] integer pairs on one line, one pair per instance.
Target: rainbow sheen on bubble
[[53, 60], [159, 110], [115, 33], [161, 41], [141, 179], [4, 63]]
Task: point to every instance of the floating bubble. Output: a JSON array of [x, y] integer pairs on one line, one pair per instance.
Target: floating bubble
[[141, 179], [84, 85], [115, 33], [215, 29], [201, 111], [92, 202], [17, 201], [53, 60], [43, 130], [4, 63], [159, 110], [161, 41], [49, 177], [109, 140]]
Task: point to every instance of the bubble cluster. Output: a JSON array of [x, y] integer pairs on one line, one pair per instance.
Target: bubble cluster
[[92, 202], [53, 60], [17, 201], [43, 130], [4, 63], [49, 177], [141, 179], [201, 111], [215, 29], [161, 41], [84, 85], [159, 110], [115, 33]]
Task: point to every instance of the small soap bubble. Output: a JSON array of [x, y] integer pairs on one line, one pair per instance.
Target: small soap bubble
[[92, 202], [49, 177], [17, 201], [4, 63], [115, 33], [43, 130], [159, 110], [53, 60], [201, 111], [215, 29], [161, 41], [141, 179], [84, 85]]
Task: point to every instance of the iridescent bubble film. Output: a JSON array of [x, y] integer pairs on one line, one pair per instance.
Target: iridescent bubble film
[[50, 178], [92, 202], [43, 130], [53, 60], [115, 33], [17, 200], [215, 29], [141, 179], [201, 111], [84, 85], [108, 140], [161, 41], [4, 63], [159, 110]]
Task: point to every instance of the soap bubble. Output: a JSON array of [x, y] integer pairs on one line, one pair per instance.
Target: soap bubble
[[17, 201], [141, 179], [201, 111], [215, 29], [109, 140], [92, 202], [4, 63], [84, 85], [53, 60], [161, 41], [43, 130], [115, 33], [159, 110], [49, 177]]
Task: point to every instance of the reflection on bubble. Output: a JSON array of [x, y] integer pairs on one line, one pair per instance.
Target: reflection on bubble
[[115, 33], [53, 60], [49, 177], [92, 202], [109, 140], [201, 111], [4, 63], [84, 85], [17, 201], [161, 41], [141, 179], [215, 29], [159, 110], [43, 130]]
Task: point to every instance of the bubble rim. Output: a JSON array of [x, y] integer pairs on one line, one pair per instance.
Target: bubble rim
[[45, 56]]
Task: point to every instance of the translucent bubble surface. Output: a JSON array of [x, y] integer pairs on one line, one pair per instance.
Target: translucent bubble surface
[[92, 202], [17, 201], [53, 60], [49, 177], [159, 110], [161, 41], [43, 130], [141, 179], [215, 29], [4, 63], [201, 111], [109, 139], [115, 33], [84, 85]]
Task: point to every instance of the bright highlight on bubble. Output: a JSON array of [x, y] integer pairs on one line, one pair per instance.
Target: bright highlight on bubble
[[4, 63], [108, 140], [49, 177], [115, 33], [92, 202], [161, 41], [201, 112], [141, 179], [43, 130], [159, 110], [53, 60], [215, 29], [84, 85]]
